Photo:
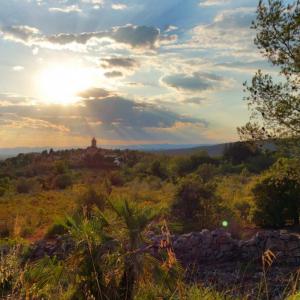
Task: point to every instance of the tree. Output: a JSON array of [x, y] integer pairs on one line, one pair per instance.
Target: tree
[[158, 169], [239, 152], [207, 172], [276, 195], [275, 104]]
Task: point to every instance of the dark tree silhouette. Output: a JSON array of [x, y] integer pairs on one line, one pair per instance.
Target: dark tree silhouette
[[275, 104]]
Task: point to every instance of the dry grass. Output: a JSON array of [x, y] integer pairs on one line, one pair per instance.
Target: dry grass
[[31, 214]]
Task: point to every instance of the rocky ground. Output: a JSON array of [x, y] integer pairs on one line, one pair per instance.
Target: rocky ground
[[214, 258]]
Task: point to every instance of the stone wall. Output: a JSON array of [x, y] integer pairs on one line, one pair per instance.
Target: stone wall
[[205, 247], [218, 246]]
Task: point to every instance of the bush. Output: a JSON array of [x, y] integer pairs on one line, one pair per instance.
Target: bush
[[4, 230], [243, 208], [61, 167], [2, 191], [24, 186], [4, 185], [116, 179], [207, 172], [158, 170], [195, 202], [276, 195], [57, 228], [92, 198], [240, 151], [63, 181]]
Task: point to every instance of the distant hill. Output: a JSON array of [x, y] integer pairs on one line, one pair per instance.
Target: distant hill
[[3, 157], [212, 150], [11, 152], [170, 149]]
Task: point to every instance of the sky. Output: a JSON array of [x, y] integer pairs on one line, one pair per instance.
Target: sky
[[127, 72]]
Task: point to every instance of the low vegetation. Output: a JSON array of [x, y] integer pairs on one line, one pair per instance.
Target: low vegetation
[[108, 229]]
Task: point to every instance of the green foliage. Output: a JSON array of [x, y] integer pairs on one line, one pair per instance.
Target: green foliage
[[196, 201], [157, 169], [116, 178], [207, 172], [243, 207], [275, 105], [57, 228], [90, 199], [25, 186], [106, 263], [239, 152], [182, 292], [183, 165], [278, 35], [276, 195], [111, 254], [61, 167], [9, 271], [43, 279], [2, 191], [63, 181]]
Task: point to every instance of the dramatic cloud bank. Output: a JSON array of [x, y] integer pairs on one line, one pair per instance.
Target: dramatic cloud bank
[[133, 71]]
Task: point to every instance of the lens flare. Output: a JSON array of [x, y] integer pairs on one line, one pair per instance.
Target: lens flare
[[225, 223]]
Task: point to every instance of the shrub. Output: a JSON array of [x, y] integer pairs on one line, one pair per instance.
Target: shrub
[[24, 186], [61, 167], [4, 182], [240, 151], [243, 208], [92, 198], [57, 228], [4, 230], [158, 170], [196, 202], [187, 164], [276, 195], [2, 191], [63, 181], [116, 179], [207, 171]]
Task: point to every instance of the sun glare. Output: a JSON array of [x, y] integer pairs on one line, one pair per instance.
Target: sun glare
[[61, 84]]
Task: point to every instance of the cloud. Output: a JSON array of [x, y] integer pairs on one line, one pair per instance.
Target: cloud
[[113, 74], [24, 34], [170, 28], [120, 62], [230, 30], [246, 66], [18, 68], [140, 37], [194, 100], [127, 113], [66, 9], [9, 99], [100, 113], [94, 93], [214, 2], [196, 82], [15, 122], [99, 2], [118, 6]]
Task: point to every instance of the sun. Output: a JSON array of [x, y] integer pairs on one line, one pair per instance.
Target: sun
[[60, 84]]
